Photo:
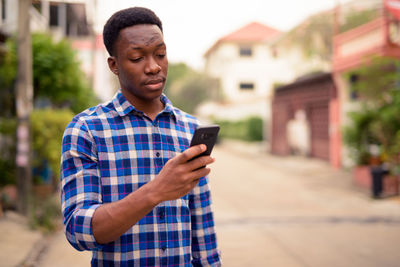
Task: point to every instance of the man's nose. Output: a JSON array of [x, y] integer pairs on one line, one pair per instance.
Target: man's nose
[[152, 66]]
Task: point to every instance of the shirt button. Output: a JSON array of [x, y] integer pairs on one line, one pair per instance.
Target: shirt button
[[158, 154], [161, 214], [163, 248]]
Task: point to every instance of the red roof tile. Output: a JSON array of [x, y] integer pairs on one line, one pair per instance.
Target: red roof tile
[[253, 32]]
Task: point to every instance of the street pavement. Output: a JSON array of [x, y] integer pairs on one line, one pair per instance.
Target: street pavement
[[283, 212], [17, 240], [295, 212]]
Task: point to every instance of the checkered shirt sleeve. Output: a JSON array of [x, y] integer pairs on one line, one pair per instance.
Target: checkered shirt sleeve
[[80, 185]]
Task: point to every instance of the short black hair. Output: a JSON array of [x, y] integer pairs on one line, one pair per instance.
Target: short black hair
[[126, 18]]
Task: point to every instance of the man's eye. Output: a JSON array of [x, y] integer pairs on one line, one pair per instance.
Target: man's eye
[[161, 55], [137, 59]]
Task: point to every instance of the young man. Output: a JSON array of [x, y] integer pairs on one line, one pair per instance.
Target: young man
[[129, 190]]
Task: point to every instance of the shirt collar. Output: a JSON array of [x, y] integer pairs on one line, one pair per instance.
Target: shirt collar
[[124, 107]]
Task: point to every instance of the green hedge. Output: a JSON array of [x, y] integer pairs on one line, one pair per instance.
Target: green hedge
[[48, 127], [7, 152], [249, 129]]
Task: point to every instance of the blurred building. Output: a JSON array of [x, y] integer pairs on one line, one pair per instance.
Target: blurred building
[[241, 63], [250, 63], [354, 48], [71, 19], [359, 31]]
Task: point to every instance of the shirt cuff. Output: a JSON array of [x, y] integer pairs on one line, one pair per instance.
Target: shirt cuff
[[80, 231]]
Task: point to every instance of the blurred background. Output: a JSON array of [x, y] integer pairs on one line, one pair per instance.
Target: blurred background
[[307, 94]]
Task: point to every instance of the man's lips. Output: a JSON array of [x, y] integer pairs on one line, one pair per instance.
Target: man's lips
[[155, 83]]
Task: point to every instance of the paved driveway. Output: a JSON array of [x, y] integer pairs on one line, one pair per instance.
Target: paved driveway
[[292, 212]]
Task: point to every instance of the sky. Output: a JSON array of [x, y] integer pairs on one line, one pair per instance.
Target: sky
[[193, 26]]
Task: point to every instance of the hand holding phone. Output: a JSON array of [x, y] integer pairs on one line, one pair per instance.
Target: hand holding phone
[[205, 135]]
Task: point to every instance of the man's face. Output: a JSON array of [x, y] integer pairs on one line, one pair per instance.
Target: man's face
[[140, 61]]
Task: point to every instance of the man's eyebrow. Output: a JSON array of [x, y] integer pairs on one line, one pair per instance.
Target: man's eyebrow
[[135, 47], [160, 44]]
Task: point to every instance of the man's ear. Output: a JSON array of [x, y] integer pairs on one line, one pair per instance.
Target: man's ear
[[112, 64]]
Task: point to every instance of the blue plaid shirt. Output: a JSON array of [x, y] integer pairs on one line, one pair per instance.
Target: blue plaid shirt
[[110, 151]]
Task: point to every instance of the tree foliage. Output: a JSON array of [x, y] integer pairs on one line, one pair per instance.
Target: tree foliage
[[248, 129], [187, 89], [378, 119], [314, 35], [8, 72], [356, 18], [176, 72], [8, 128], [48, 126], [57, 78], [56, 73]]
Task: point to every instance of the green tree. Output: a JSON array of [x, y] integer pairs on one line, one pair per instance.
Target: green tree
[[48, 126], [356, 18], [7, 151], [57, 77], [247, 129], [56, 73], [8, 73], [313, 37], [187, 89], [176, 71], [358, 135], [378, 119]]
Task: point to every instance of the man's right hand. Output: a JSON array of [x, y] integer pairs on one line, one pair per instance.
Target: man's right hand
[[180, 175]]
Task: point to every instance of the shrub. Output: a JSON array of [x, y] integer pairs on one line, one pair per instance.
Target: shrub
[[378, 119], [358, 136], [7, 152], [45, 214], [57, 75], [187, 89], [249, 129], [48, 126]]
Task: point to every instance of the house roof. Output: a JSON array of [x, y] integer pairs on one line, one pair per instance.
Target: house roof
[[306, 79], [253, 32]]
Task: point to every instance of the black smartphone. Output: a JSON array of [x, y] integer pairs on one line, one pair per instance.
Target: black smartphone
[[205, 135]]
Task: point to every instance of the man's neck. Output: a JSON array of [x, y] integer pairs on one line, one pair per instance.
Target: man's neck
[[149, 107]]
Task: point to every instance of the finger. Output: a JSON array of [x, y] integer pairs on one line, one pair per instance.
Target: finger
[[197, 174], [200, 162], [191, 153], [195, 182]]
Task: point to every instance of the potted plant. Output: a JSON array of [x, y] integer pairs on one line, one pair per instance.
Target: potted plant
[[377, 121], [360, 143]]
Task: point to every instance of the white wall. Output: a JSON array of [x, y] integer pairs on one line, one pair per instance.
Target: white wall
[[10, 24], [267, 65]]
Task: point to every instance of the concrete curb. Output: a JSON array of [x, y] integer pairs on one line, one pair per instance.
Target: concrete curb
[[17, 239], [39, 248]]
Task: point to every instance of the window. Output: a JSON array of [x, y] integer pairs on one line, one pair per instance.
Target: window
[[274, 52], [3, 9], [246, 51], [76, 20], [353, 81], [246, 86], [54, 14]]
